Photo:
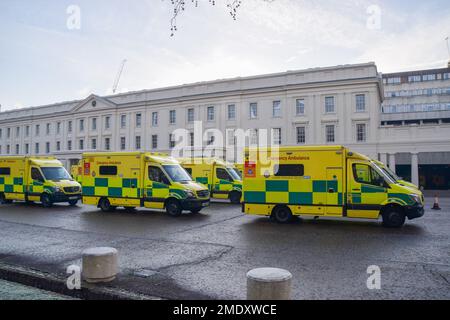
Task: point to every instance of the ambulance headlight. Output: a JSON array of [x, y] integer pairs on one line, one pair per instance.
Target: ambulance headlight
[[190, 194], [415, 198]]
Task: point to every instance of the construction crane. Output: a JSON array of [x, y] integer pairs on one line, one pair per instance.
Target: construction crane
[[119, 74]]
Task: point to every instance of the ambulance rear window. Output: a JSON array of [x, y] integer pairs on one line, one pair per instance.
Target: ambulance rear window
[[5, 171], [108, 170], [289, 170]]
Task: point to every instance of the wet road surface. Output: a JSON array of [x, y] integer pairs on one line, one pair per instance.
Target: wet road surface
[[208, 255]]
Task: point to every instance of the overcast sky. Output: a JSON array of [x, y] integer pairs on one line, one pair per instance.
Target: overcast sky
[[42, 61]]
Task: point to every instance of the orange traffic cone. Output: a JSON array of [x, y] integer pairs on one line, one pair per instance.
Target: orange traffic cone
[[436, 203]]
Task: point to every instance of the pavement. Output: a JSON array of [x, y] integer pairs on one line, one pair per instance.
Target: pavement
[[15, 291], [207, 256]]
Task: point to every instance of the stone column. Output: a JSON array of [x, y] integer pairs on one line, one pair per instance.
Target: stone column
[[383, 157], [415, 168], [392, 162]]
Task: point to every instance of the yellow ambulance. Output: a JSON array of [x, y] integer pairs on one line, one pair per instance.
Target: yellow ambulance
[[140, 179], [221, 177], [76, 172], [393, 175], [328, 181], [40, 179]]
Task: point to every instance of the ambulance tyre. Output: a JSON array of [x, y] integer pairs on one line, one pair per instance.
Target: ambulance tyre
[[235, 197], [105, 205], [73, 203], [3, 199], [173, 207], [46, 201], [282, 214], [393, 217]]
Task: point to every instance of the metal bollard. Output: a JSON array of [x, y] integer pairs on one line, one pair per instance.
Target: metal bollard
[[269, 284], [100, 264]]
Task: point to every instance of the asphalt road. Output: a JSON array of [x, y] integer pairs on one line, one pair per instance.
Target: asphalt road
[[208, 255], [14, 291]]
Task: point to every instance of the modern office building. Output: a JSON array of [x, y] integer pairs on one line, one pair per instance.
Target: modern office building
[[333, 105], [415, 126]]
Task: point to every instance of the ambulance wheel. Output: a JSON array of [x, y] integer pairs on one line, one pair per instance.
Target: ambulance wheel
[[46, 201], [173, 207], [3, 199], [73, 203], [105, 205], [235, 197], [282, 214], [393, 217]]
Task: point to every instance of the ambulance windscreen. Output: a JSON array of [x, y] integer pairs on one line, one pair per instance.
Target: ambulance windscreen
[[177, 173], [55, 173]]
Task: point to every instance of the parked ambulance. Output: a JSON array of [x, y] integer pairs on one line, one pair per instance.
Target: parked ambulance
[[40, 179], [76, 172], [139, 179], [328, 181], [221, 178]]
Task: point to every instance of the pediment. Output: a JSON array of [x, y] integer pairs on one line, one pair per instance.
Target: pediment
[[92, 103]]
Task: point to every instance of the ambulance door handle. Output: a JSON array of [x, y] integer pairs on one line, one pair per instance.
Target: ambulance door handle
[[356, 189]]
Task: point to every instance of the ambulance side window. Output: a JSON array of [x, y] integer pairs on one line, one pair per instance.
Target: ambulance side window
[[364, 173], [222, 174], [5, 171], [36, 175], [108, 170], [289, 170], [189, 170], [155, 174]]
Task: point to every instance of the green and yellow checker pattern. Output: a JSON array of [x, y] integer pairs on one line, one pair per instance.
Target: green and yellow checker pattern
[[159, 192], [221, 185], [292, 192], [111, 187], [11, 185], [378, 195]]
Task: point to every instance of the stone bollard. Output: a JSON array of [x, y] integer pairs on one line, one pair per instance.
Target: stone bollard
[[100, 264], [269, 284]]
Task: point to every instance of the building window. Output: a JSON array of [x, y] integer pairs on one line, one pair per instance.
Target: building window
[[81, 123], [17, 132], [81, 144], [172, 117], [36, 148], [8, 133], [447, 76], [329, 132], [69, 145], [123, 121], [301, 135], [58, 146], [190, 114], [58, 128], [276, 109], [360, 102], [8, 149], [429, 77], [123, 143], [38, 130], [210, 114], [415, 78], [47, 130], [210, 138], [69, 127], [191, 139], [107, 122], [94, 124], [1, 133], [154, 141], [276, 136], [17, 149], [27, 148], [329, 105], [253, 110], [300, 107], [47, 147], [155, 119], [138, 120], [231, 112], [27, 131], [94, 144], [231, 138], [171, 141], [254, 137], [394, 80], [138, 143], [107, 144], [361, 132]]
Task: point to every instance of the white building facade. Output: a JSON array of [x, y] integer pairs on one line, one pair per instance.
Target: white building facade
[[335, 105]]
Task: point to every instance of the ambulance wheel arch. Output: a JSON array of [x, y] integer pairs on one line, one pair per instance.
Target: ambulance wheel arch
[[105, 205], [235, 197], [282, 214], [3, 199], [46, 200]]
